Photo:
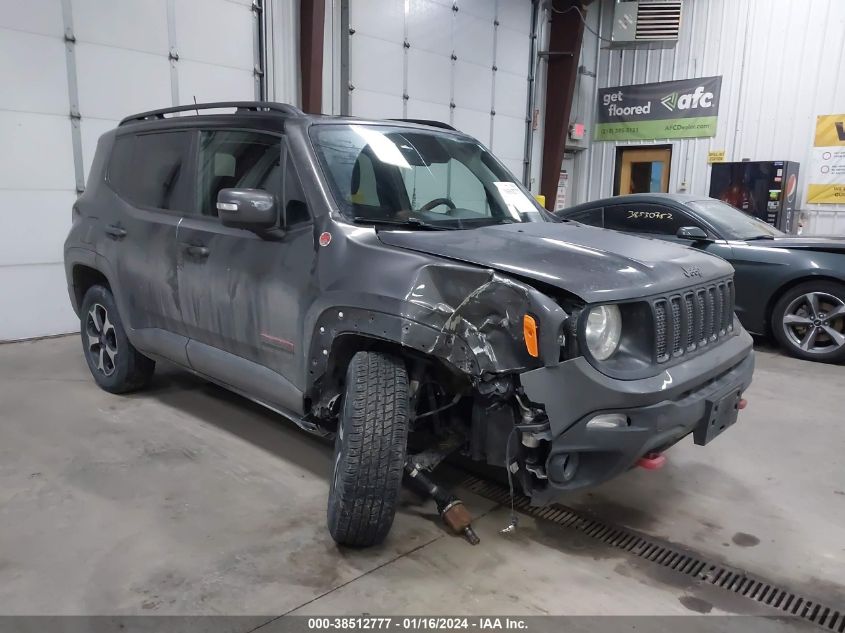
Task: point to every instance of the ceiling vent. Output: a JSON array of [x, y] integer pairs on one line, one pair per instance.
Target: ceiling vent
[[646, 23]]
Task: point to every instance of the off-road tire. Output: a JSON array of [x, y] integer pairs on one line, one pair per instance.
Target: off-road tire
[[130, 370], [830, 292], [369, 450]]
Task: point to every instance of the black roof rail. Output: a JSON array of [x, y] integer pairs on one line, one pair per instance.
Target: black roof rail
[[242, 106], [429, 122]]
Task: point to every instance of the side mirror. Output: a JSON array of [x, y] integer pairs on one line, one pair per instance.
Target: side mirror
[[252, 209], [692, 233]]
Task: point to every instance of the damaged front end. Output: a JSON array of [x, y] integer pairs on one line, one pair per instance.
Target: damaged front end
[[510, 328], [504, 372], [462, 331]]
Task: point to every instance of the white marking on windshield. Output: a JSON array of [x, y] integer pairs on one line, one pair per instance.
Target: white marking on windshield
[[515, 200]]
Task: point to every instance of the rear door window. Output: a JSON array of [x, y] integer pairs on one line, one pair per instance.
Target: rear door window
[[152, 170], [650, 219]]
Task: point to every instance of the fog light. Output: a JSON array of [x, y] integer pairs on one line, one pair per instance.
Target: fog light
[[562, 467], [608, 421]]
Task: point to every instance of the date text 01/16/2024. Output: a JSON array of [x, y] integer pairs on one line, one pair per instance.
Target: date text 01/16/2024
[[416, 623]]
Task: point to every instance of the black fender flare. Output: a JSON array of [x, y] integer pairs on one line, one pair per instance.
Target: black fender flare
[[76, 256], [334, 323]]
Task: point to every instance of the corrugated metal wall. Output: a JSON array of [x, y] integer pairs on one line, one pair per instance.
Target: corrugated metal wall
[[460, 61], [782, 63]]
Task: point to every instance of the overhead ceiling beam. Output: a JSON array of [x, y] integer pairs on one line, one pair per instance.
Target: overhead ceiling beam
[[565, 35]]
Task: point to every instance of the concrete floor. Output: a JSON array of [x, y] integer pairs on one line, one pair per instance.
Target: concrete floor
[[185, 499]]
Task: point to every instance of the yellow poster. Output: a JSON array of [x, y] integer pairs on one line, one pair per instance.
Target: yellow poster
[[830, 130], [827, 168]]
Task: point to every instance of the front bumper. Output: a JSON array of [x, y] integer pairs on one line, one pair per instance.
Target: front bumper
[[661, 409]]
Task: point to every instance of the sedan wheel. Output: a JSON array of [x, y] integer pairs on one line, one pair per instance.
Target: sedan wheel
[[814, 322], [811, 321]]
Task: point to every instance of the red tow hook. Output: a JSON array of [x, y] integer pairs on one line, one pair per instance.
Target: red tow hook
[[652, 461], [742, 404]]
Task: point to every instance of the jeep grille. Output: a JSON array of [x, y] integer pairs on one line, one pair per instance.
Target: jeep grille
[[692, 319]]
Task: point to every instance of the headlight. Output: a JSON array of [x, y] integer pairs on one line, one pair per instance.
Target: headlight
[[603, 331]]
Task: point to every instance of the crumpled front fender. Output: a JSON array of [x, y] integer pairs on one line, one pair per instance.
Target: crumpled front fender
[[485, 310], [471, 318]]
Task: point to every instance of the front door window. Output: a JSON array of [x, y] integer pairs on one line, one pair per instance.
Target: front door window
[[240, 160]]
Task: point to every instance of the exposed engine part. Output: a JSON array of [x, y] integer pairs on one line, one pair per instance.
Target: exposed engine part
[[495, 387], [491, 426], [451, 509], [458, 518], [430, 458], [530, 441], [413, 388], [449, 404], [529, 414], [538, 470]]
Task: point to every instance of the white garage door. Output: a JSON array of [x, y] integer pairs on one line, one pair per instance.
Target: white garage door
[[120, 63], [462, 62]]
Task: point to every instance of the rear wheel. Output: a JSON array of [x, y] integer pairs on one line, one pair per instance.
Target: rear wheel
[[809, 321], [114, 363], [369, 451]]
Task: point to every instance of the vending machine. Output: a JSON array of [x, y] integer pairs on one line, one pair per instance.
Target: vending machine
[[765, 189]]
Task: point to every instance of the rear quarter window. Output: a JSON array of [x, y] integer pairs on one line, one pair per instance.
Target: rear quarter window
[[152, 170]]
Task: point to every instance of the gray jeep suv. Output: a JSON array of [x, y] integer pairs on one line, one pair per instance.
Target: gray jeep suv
[[390, 283]]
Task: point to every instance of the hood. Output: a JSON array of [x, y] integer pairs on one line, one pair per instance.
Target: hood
[[828, 243], [592, 263]]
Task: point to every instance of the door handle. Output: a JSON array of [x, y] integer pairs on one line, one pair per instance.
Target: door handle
[[115, 232], [200, 252]]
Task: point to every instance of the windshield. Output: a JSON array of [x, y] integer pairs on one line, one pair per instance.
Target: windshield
[[418, 178], [732, 223]]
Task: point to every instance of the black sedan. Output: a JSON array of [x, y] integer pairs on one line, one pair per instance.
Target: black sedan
[[792, 287]]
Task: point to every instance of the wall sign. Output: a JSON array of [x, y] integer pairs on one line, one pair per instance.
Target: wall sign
[[670, 109], [827, 167], [562, 186], [716, 156]]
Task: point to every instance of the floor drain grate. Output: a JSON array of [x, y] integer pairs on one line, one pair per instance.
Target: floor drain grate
[[673, 557]]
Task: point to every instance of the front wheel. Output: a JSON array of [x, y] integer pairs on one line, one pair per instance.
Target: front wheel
[[369, 450], [809, 321]]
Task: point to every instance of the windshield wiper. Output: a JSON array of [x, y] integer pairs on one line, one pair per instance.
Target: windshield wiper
[[414, 223], [760, 237]]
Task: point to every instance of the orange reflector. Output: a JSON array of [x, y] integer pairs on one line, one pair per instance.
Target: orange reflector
[[529, 330]]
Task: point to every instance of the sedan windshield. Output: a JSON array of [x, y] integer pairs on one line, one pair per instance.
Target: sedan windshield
[[732, 223], [418, 179]]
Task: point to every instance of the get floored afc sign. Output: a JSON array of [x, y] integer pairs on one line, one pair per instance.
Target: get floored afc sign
[[669, 109]]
